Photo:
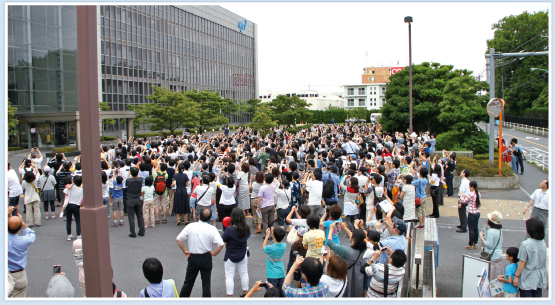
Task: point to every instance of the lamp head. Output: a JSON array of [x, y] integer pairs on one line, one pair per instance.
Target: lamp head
[[408, 19]]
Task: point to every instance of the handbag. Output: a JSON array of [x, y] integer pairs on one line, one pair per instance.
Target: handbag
[[292, 237], [487, 256], [417, 201]]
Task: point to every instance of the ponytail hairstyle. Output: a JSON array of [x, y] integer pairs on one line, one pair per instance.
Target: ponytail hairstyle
[[474, 184]]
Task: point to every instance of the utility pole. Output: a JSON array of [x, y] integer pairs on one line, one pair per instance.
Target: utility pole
[[491, 96]]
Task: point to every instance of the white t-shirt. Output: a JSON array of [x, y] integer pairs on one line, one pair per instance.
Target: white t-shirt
[[315, 194], [37, 162], [408, 202], [228, 195], [110, 177], [14, 188], [30, 194], [283, 197], [27, 169], [149, 192], [190, 175], [337, 286], [205, 201], [75, 195], [434, 180], [106, 190], [541, 199]]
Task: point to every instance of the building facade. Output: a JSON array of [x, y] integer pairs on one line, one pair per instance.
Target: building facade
[[317, 101], [378, 75], [369, 96], [140, 46]]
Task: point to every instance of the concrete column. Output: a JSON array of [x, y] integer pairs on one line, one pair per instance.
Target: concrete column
[[78, 134], [130, 131]]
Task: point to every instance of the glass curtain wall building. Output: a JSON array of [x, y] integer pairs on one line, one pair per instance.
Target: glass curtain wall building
[[177, 47]]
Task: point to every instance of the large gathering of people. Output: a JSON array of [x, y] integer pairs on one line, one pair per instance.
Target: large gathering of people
[[289, 185]]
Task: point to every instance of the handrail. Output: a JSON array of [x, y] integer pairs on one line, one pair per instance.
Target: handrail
[[527, 128], [538, 156]]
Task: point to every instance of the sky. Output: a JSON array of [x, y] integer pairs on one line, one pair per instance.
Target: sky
[[324, 45]]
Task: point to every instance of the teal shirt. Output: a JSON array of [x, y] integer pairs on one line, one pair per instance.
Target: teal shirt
[[336, 231], [275, 269]]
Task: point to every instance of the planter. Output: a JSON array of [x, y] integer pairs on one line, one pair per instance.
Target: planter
[[492, 183], [68, 154]]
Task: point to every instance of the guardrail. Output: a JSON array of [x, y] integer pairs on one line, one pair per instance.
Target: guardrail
[[527, 128], [466, 154], [430, 258], [538, 156], [405, 287]]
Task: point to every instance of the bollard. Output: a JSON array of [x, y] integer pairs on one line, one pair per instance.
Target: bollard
[[417, 262]]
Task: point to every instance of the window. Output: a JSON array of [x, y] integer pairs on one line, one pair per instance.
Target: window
[[351, 102], [371, 78], [350, 91], [361, 91], [361, 102]]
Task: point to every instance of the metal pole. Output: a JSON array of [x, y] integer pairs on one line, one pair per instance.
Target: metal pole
[[96, 242], [491, 96], [500, 139], [410, 80]]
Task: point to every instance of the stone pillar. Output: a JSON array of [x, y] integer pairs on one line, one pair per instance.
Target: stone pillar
[[130, 131], [78, 135]]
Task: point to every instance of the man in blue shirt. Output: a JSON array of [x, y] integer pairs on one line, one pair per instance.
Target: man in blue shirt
[[350, 147], [17, 253], [396, 241], [335, 178], [420, 192]]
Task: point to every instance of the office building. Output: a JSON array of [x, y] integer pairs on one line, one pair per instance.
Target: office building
[[140, 46]]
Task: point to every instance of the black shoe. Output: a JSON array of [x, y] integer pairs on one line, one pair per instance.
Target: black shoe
[[125, 214], [459, 227], [461, 231], [131, 235], [141, 234]]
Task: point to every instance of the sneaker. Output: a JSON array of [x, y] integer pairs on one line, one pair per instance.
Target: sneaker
[[108, 216], [53, 217], [420, 227], [79, 237], [46, 217], [121, 223], [125, 214], [69, 237], [30, 226], [37, 225], [115, 224]]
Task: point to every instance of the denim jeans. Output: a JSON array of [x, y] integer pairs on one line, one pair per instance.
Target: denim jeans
[[531, 293], [106, 202], [277, 283], [473, 230], [514, 162], [282, 214]]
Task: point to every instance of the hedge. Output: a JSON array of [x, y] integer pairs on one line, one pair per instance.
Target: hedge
[[482, 168], [63, 150], [106, 138], [14, 148]]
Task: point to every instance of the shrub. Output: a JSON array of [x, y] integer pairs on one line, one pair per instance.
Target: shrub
[[482, 168], [63, 150], [454, 140], [14, 148], [106, 138]]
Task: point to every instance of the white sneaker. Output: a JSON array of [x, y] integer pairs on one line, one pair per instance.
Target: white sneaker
[[70, 237], [79, 237], [46, 217], [53, 217]]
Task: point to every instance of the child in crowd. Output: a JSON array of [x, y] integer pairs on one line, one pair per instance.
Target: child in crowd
[[117, 201], [510, 291], [193, 199], [148, 201], [159, 288], [335, 212], [313, 240], [275, 270]]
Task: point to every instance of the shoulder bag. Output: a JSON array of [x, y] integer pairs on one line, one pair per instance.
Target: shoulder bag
[[487, 256]]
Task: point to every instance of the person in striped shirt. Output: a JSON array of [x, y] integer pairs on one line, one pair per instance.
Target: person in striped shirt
[[396, 272]]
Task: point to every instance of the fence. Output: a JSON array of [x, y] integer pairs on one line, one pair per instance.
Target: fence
[[465, 154], [405, 287], [537, 130], [538, 156], [430, 258], [527, 121]]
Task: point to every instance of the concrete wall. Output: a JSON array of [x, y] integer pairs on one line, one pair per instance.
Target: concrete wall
[[492, 183]]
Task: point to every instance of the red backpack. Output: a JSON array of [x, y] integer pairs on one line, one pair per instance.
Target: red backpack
[[160, 184]]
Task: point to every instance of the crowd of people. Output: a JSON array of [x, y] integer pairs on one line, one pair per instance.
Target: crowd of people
[[289, 184]]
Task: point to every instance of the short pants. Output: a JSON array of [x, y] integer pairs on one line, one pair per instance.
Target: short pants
[[117, 205]]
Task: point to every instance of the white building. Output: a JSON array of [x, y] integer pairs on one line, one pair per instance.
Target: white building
[[369, 96], [318, 101]]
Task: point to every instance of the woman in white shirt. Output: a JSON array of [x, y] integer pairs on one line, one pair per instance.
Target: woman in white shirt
[[336, 277], [47, 183], [227, 200], [32, 198], [74, 201], [283, 198], [435, 181], [408, 195]]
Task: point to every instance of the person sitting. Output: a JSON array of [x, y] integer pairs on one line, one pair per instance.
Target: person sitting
[[312, 270], [159, 288], [380, 285]]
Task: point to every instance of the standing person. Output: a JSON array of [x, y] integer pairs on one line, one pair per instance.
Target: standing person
[[237, 252], [255, 188], [32, 198], [395, 270], [275, 269], [516, 159], [311, 271], [161, 192], [200, 236], [105, 191], [14, 189], [316, 186], [283, 199], [450, 165], [510, 291], [18, 246], [158, 288], [435, 189], [531, 274], [171, 191], [181, 198], [134, 202], [266, 202], [314, 239], [408, 193], [352, 256], [117, 200], [61, 175], [148, 201], [472, 202], [336, 276], [47, 183], [335, 178], [55, 164], [464, 190], [243, 201], [420, 183], [492, 242], [349, 201], [540, 199], [74, 201], [227, 200]]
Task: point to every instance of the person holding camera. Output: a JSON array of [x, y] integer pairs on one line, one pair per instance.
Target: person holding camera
[[18, 246], [386, 276], [312, 270]]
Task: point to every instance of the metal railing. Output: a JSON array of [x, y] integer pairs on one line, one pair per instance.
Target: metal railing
[[538, 156], [527, 128]]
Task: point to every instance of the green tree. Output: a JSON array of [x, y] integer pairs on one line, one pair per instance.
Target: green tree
[[212, 108], [262, 120], [359, 113], [428, 81], [285, 110], [105, 107], [12, 121], [168, 111], [514, 81], [250, 106]]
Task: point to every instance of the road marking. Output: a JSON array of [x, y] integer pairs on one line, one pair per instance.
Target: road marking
[[532, 138], [526, 140], [522, 189]]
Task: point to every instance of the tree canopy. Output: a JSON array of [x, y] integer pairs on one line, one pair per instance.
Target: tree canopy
[[211, 108], [285, 110], [514, 81]]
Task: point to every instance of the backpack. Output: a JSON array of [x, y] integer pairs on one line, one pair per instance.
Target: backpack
[[160, 184], [328, 189], [517, 152]]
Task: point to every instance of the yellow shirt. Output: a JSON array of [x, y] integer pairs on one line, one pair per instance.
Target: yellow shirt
[[315, 241]]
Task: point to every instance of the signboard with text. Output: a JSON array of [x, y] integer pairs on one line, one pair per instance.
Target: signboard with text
[[396, 69]]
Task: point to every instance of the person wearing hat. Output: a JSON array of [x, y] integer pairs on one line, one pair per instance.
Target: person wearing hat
[[492, 243], [47, 183], [397, 228]]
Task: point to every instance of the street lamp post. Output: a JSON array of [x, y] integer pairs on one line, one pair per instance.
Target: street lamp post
[[408, 20]]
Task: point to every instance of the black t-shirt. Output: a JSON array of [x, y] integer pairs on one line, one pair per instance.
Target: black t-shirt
[[134, 187]]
